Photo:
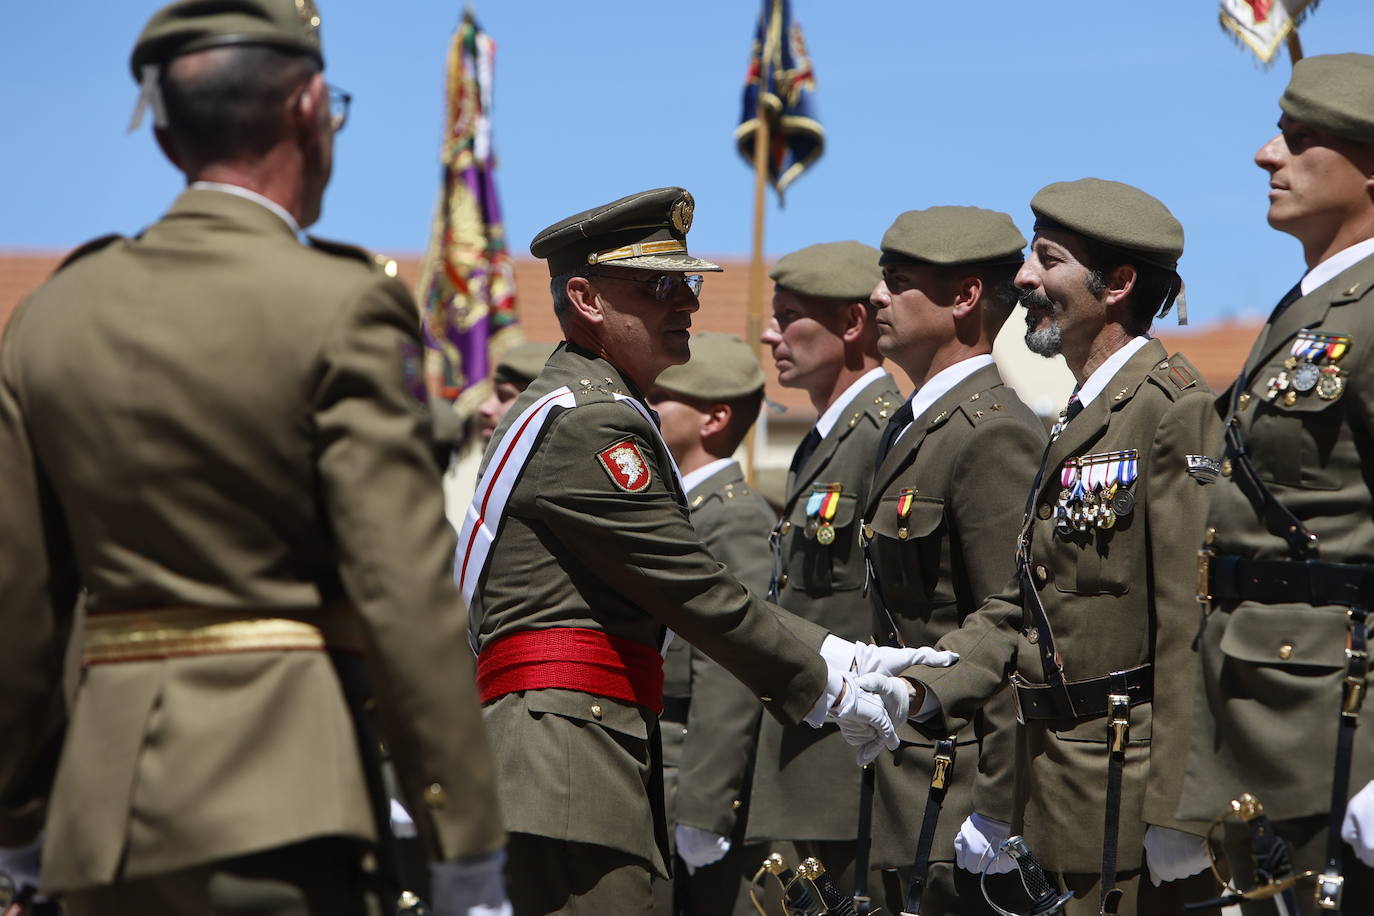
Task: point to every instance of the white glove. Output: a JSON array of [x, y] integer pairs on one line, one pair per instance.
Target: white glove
[[23, 863], [869, 659], [1358, 827], [894, 692], [699, 847], [977, 842], [402, 824], [470, 887], [1172, 854], [864, 721]]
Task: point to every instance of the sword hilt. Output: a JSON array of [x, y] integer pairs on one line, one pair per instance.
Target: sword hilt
[[1045, 899], [836, 902]]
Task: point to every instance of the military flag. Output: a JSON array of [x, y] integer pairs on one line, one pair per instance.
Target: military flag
[[467, 284], [1263, 25], [779, 87]]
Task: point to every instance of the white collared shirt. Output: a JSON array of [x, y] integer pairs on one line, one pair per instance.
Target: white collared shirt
[[1338, 262], [1103, 373], [693, 479], [941, 384], [256, 198], [837, 407]]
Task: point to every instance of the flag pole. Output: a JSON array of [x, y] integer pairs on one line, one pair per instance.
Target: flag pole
[[754, 324], [1294, 46]]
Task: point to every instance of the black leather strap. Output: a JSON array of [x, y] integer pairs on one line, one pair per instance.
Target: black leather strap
[[1290, 581], [1118, 736], [1087, 698], [864, 847], [945, 751], [1329, 883], [675, 709]]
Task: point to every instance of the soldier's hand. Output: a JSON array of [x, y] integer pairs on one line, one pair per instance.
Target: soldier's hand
[[889, 660], [470, 887], [699, 847], [864, 720], [1358, 827], [977, 842]]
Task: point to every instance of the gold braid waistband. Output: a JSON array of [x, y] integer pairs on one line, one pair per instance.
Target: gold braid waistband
[[146, 635]]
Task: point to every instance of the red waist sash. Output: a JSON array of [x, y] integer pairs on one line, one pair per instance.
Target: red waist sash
[[572, 658]]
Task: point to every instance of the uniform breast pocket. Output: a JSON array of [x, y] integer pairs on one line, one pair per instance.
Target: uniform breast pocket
[[824, 544], [1097, 561], [1292, 441], [1270, 650], [909, 535]]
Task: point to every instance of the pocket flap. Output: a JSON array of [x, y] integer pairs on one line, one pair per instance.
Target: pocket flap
[[1286, 634], [616, 715], [925, 516], [844, 511]]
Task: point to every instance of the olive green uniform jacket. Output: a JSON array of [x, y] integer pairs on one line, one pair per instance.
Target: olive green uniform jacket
[[214, 415], [966, 464], [734, 522], [1268, 713], [806, 783], [576, 550], [1116, 598]]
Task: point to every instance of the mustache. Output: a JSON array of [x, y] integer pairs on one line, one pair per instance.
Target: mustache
[[1035, 299]]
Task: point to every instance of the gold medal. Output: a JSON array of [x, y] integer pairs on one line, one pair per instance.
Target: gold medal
[[1290, 398], [825, 534], [1331, 384]]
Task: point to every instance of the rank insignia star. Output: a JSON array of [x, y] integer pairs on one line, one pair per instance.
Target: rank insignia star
[[625, 465]]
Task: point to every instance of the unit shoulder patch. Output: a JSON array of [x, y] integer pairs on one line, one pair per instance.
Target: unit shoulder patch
[[624, 463]]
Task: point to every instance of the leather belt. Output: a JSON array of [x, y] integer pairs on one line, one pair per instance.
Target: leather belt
[[1088, 696], [675, 708], [176, 632], [1290, 581]]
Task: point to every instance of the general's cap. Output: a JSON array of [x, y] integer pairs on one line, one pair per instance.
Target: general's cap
[[194, 25], [1335, 93], [722, 368], [520, 364], [1115, 214], [832, 270], [647, 230], [953, 235]]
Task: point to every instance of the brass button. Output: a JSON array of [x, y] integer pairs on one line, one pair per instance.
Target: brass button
[[1044, 511], [786, 527], [684, 729], [1226, 467], [868, 532], [1032, 636], [734, 805], [1244, 401], [1042, 574], [596, 710], [782, 581], [435, 796], [1285, 652], [1210, 537]]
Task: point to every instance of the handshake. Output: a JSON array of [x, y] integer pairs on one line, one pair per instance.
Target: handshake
[[864, 695]]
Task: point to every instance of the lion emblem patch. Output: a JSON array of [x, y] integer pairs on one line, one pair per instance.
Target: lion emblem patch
[[625, 465]]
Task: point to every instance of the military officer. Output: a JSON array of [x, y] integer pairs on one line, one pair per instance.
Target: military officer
[[216, 431], [707, 407], [514, 371], [1276, 715], [578, 551], [823, 341], [940, 528], [1097, 630]]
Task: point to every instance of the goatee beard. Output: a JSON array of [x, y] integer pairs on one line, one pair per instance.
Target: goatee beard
[[1046, 341]]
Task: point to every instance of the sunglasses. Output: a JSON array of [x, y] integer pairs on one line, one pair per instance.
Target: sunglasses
[[664, 284]]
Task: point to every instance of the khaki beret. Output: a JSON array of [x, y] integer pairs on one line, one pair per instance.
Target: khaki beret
[[831, 270], [647, 230], [1335, 93], [953, 235], [194, 25], [1115, 214], [522, 363], [722, 368]]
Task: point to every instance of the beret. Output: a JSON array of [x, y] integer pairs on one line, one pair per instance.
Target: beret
[[521, 363], [1335, 93], [1115, 214], [831, 270], [194, 25], [647, 230], [722, 368], [953, 235]]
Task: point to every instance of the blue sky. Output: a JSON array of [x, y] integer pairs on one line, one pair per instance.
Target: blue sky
[[924, 103]]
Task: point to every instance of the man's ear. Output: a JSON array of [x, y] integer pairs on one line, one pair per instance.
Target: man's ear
[[858, 318], [1120, 282], [305, 112], [968, 295], [585, 302], [715, 418]]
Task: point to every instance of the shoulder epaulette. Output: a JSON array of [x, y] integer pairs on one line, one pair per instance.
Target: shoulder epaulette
[[982, 406], [86, 248], [1175, 374], [342, 249], [591, 390]]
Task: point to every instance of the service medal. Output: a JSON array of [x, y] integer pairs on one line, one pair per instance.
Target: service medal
[[825, 534], [1331, 384], [1305, 377], [820, 509], [1123, 503]]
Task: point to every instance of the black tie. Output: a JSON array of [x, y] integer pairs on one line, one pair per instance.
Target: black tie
[[804, 451], [1293, 295], [900, 420], [1074, 409]]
